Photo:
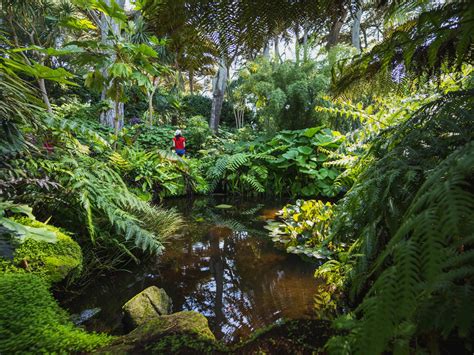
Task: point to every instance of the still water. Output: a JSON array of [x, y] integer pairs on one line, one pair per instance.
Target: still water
[[223, 265]]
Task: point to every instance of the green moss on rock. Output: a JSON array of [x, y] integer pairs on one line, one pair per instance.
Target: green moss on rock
[[148, 304], [179, 331], [53, 261], [32, 322]]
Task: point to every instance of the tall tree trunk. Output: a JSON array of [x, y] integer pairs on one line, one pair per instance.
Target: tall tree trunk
[[191, 82], [150, 107], [219, 86], [44, 95], [108, 117], [333, 37], [364, 33], [276, 49], [305, 44], [355, 30], [297, 44], [266, 50], [117, 119]]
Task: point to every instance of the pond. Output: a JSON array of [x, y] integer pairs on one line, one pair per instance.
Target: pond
[[223, 265]]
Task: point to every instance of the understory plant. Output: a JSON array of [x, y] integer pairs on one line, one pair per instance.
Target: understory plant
[[158, 172], [304, 228], [290, 163], [47, 163]]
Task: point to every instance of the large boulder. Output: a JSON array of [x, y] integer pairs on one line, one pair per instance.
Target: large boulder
[[182, 332], [148, 304]]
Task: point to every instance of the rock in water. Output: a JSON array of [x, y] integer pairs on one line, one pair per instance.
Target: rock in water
[[148, 304], [84, 316]]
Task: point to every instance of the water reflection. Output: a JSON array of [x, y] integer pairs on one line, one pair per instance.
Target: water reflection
[[225, 267], [236, 277]]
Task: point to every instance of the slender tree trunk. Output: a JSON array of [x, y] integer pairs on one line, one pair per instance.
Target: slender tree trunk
[[297, 45], [355, 31], [41, 81], [239, 116], [117, 119], [150, 107], [191, 82], [364, 33], [276, 49], [266, 50], [333, 36], [220, 82], [107, 118], [44, 95], [305, 45]]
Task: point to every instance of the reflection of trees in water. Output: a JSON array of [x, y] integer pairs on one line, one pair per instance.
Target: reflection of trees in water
[[228, 269]]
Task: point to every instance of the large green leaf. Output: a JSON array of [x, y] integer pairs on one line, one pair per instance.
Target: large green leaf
[[120, 70], [310, 132], [22, 232], [305, 150], [291, 154]]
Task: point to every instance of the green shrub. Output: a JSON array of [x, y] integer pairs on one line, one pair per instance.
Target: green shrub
[[32, 322], [199, 105], [284, 94], [290, 163], [151, 137], [158, 172], [197, 132]]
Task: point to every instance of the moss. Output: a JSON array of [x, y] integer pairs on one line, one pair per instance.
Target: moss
[[53, 261], [187, 333], [148, 304], [165, 332], [32, 322]]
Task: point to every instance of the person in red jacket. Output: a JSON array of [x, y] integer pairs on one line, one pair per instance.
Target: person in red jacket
[[179, 143]]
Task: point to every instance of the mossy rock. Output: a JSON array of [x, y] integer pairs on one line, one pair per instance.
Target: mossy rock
[[32, 322], [53, 261], [182, 332], [148, 304]]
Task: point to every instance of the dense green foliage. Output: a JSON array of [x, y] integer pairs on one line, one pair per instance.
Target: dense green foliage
[[284, 94], [32, 322], [291, 162], [395, 244], [199, 105], [402, 259], [417, 247]]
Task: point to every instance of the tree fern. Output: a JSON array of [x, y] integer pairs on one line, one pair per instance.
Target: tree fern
[[427, 264], [413, 238]]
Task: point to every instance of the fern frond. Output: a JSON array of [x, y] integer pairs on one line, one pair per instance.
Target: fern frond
[[253, 183]]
